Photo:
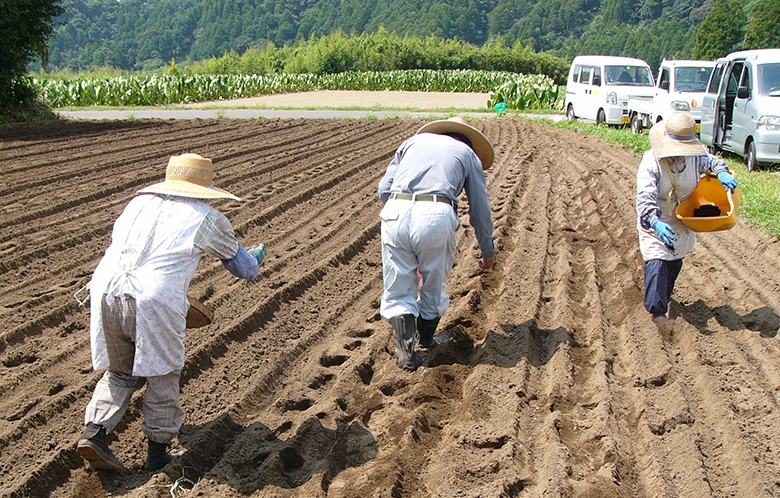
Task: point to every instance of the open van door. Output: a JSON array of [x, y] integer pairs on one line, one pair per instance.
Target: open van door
[[743, 120], [711, 104]]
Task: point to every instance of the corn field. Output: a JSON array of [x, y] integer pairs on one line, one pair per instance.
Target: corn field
[[161, 90], [527, 92]]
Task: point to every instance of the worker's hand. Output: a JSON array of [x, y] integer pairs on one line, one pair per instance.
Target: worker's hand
[[258, 253], [728, 180], [486, 263], [665, 232]]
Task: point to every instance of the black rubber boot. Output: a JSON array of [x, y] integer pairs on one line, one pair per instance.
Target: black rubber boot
[[425, 331], [157, 456], [404, 331], [94, 448]]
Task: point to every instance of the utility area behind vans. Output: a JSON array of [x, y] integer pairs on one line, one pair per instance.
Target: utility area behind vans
[[741, 109], [599, 86]]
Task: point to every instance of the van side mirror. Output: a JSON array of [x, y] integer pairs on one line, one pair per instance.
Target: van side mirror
[[743, 92], [665, 85], [597, 80]]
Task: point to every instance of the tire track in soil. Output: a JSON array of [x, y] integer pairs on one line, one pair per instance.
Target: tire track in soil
[[555, 383]]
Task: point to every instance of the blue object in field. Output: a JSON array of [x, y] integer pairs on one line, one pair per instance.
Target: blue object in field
[[500, 106]]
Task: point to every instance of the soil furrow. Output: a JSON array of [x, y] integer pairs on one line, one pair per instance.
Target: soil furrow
[[554, 381]]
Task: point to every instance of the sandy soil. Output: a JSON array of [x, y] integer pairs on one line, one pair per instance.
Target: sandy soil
[[343, 99], [555, 382]]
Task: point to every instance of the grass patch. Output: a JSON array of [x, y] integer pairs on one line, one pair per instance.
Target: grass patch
[[760, 195], [760, 189]]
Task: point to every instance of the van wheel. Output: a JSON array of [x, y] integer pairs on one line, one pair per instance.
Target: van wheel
[[570, 113], [601, 118], [636, 124], [750, 157]]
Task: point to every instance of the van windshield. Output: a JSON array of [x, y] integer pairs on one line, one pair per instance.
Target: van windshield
[[769, 79], [691, 79], [628, 75]]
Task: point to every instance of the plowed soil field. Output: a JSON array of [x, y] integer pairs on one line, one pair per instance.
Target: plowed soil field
[[555, 382]]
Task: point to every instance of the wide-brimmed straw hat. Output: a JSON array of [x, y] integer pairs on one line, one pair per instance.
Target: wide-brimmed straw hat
[[189, 175], [479, 142], [676, 136]]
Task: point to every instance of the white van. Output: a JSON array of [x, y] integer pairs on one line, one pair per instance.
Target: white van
[[680, 88], [741, 109], [599, 87]]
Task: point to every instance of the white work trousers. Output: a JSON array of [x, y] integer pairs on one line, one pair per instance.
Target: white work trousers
[[417, 236]]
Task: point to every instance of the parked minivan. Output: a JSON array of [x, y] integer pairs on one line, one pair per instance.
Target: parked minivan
[[599, 86], [741, 109]]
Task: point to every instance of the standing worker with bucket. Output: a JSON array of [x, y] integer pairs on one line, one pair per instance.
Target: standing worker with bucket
[[420, 226], [138, 297], [668, 174]]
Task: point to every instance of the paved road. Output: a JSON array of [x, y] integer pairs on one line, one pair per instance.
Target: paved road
[[253, 114], [272, 113], [335, 104]]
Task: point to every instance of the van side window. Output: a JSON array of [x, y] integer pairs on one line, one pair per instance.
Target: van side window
[[597, 76], [731, 89], [664, 79], [575, 76], [715, 80], [745, 77], [585, 74]]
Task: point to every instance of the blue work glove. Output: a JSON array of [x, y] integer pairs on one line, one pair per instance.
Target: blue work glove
[[665, 232], [258, 253], [728, 180]]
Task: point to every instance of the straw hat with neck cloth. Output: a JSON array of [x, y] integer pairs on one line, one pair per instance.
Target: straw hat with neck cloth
[[478, 142], [189, 175], [676, 137]]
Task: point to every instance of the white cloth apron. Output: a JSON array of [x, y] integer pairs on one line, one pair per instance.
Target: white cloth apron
[[650, 244], [152, 257], [417, 236]]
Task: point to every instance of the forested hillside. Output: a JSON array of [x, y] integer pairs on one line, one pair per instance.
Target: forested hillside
[[148, 34]]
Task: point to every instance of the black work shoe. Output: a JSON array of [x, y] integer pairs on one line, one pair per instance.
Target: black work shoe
[[435, 341], [93, 447], [157, 456], [425, 331], [404, 331]]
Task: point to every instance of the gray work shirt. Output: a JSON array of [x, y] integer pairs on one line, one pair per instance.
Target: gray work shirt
[[430, 163]]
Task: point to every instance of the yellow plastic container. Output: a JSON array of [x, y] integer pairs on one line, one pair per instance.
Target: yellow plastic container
[[710, 191]]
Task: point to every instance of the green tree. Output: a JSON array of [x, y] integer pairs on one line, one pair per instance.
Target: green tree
[[721, 32], [618, 10], [763, 31], [25, 27]]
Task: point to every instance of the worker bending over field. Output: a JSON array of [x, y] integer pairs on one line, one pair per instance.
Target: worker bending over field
[[138, 297], [668, 174], [420, 227]]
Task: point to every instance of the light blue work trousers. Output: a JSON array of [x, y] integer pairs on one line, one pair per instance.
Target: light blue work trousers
[[417, 236]]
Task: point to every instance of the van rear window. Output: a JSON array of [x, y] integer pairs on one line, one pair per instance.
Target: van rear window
[[628, 75]]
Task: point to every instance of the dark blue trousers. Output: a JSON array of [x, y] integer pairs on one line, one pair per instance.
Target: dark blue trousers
[[660, 276]]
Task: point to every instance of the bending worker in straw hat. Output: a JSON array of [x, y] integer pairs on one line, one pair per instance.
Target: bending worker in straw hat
[[420, 226], [138, 297], [669, 173]]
